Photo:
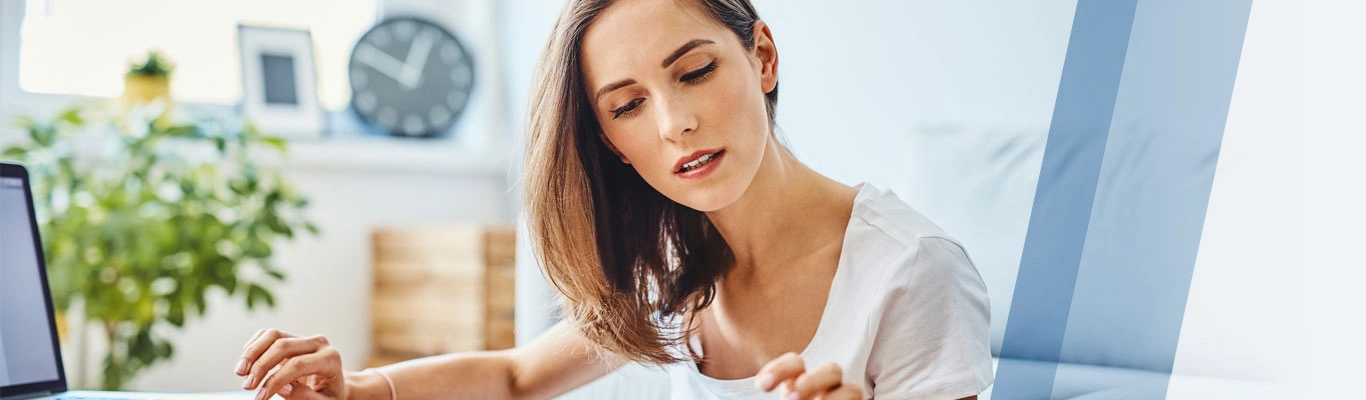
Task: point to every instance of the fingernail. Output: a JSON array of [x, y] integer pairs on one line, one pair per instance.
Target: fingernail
[[289, 387], [261, 394], [242, 366], [791, 396], [765, 382], [246, 383]]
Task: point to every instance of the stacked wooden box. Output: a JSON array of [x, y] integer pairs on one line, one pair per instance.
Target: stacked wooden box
[[442, 289]]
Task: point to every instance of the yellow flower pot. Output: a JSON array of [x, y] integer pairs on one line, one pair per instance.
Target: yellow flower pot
[[142, 89], [61, 326]]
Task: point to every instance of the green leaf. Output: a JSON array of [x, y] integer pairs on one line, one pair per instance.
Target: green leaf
[[257, 294], [40, 134], [72, 116], [258, 249], [251, 300], [176, 314], [142, 346], [16, 152], [22, 122], [201, 302], [184, 131], [269, 298], [276, 142], [165, 350], [229, 284], [275, 273]]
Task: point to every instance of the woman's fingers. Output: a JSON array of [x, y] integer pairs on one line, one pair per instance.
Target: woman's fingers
[[824, 382], [818, 381], [277, 352], [300, 390], [242, 365], [323, 362], [782, 369], [257, 345], [254, 336]]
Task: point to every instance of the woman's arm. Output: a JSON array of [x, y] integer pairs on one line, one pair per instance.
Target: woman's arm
[[558, 361]]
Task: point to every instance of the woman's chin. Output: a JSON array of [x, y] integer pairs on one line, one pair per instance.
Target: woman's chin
[[708, 199]]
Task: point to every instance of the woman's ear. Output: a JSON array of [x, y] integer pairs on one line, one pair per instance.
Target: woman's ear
[[612, 147], [767, 53]]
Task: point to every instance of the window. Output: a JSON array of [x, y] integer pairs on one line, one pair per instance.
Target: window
[[83, 47]]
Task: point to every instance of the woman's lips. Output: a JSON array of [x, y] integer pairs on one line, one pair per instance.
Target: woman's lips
[[685, 160], [706, 168]]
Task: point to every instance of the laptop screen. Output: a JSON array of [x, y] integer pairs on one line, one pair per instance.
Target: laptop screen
[[27, 354]]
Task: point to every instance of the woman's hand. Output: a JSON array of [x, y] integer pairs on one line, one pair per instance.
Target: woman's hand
[[824, 382], [298, 368]]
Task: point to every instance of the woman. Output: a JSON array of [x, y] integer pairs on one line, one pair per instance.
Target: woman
[[680, 232]]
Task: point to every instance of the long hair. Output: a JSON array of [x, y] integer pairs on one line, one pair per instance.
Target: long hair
[[626, 259]]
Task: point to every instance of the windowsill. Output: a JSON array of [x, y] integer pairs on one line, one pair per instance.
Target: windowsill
[[471, 149], [393, 155]]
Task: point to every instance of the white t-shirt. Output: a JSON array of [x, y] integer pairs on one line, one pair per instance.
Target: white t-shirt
[[907, 314]]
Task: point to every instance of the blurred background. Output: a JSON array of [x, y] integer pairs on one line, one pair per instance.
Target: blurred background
[[393, 230]]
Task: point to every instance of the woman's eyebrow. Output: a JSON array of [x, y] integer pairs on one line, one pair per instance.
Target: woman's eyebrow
[[667, 61], [683, 50], [614, 86]]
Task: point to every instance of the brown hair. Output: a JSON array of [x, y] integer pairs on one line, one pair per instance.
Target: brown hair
[[626, 259]]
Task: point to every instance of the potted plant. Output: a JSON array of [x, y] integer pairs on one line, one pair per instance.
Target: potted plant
[[140, 233], [148, 80]]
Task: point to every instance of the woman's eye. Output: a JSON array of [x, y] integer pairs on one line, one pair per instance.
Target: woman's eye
[[699, 74], [627, 109]]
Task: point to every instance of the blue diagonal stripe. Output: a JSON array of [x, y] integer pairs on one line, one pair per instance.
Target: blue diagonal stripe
[[1119, 209], [1063, 197], [1154, 186]]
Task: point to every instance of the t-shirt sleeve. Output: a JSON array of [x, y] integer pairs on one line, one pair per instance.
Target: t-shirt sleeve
[[931, 338]]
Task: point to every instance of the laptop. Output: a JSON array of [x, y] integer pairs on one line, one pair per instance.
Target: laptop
[[30, 356]]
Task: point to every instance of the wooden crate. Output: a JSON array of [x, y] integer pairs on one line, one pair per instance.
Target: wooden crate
[[442, 289]]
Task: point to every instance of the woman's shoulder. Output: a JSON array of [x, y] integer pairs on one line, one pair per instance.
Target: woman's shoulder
[[891, 244], [885, 223]]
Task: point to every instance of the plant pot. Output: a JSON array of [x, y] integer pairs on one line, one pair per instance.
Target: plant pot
[[140, 90], [61, 326]]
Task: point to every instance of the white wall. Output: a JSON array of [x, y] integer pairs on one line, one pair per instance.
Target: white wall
[[524, 27], [1276, 293]]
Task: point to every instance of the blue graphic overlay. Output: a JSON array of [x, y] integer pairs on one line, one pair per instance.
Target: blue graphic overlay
[[1120, 207], [1062, 201], [1154, 185]]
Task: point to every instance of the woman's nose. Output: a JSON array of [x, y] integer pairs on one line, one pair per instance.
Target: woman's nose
[[675, 119]]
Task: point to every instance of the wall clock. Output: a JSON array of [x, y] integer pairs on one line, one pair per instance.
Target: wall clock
[[410, 77]]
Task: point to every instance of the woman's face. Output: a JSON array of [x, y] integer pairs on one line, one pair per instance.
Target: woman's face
[[680, 99]]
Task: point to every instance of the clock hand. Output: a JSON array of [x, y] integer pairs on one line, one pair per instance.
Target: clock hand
[[417, 58], [380, 61]]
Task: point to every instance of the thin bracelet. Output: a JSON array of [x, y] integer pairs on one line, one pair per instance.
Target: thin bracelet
[[393, 393]]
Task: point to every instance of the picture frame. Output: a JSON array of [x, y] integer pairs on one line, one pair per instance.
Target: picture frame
[[280, 81]]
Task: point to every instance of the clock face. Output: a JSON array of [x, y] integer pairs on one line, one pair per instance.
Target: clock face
[[410, 77]]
